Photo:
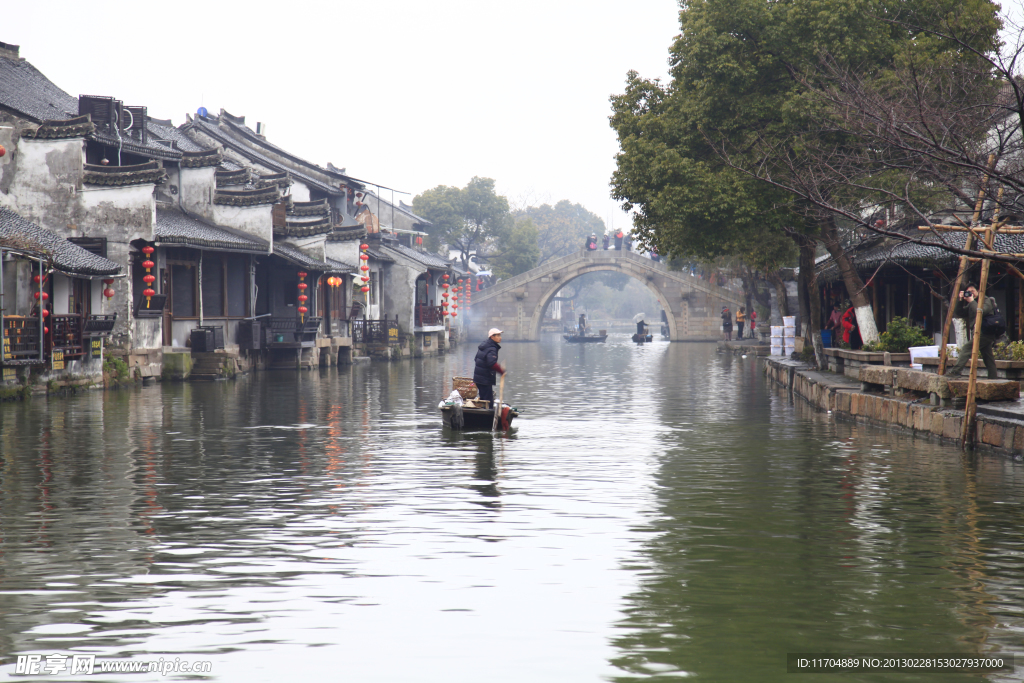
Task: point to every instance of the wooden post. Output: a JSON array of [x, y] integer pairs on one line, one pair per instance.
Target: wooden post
[[1020, 303], [967, 430], [963, 267]]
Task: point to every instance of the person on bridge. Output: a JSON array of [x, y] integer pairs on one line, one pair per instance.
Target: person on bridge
[[592, 242], [618, 241], [487, 364], [727, 323], [605, 241]]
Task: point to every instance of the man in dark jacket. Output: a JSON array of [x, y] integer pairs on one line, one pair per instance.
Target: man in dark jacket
[[967, 308], [487, 364]]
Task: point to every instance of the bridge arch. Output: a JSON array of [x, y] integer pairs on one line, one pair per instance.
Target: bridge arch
[[517, 305], [537, 315]]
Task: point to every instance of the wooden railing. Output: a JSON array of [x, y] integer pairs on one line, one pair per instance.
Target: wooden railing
[[429, 315], [66, 335], [21, 340], [375, 331]]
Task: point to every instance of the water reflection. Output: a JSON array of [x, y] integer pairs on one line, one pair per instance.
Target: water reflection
[[658, 512]]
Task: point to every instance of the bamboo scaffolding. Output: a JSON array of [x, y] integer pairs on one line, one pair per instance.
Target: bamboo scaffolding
[[963, 265], [967, 428]]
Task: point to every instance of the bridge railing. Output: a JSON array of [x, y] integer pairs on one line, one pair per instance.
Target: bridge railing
[[563, 262]]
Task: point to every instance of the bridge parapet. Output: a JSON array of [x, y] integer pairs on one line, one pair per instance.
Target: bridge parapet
[[517, 305]]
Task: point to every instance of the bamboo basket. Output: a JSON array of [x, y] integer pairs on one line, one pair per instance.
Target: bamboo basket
[[465, 387]]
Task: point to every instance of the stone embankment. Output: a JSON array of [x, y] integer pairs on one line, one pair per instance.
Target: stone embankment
[[918, 401]]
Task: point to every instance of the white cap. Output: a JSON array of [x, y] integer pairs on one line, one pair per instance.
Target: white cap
[[493, 331]]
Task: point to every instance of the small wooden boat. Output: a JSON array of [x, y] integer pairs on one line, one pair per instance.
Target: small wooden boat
[[641, 338], [475, 419], [589, 339]]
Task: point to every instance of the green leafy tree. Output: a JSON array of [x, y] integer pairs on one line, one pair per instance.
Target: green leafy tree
[[738, 93], [469, 220], [563, 228], [517, 250]]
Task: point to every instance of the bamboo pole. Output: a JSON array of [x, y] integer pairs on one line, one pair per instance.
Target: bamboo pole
[[963, 267], [967, 429]]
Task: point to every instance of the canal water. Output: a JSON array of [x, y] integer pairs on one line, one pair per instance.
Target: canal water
[[657, 513]]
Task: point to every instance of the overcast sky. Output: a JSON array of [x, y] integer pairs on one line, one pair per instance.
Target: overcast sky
[[404, 93]]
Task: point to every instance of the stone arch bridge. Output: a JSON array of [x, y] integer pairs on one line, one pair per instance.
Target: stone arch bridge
[[516, 306]]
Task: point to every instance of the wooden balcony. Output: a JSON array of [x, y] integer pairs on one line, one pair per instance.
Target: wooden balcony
[[428, 316]]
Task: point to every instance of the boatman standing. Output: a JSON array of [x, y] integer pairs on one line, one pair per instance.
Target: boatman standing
[[487, 364]]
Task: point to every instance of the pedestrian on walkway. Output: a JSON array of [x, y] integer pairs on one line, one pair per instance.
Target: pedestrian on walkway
[[753, 324], [487, 364], [741, 318], [967, 308], [727, 323]]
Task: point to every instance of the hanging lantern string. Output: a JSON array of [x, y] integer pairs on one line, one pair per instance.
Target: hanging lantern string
[[302, 296], [148, 278]]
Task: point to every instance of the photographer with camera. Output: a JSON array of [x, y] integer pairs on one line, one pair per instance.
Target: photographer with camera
[[967, 308]]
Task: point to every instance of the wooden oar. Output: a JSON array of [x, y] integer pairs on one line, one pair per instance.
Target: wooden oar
[[497, 406]]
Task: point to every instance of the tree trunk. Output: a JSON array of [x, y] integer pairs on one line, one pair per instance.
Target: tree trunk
[[855, 288], [809, 292], [747, 285], [780, 293]]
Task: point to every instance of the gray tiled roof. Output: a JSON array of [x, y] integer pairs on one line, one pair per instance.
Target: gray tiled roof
[[378, 255], [24, 89], [910, 254], [427, 259], [23, 235], [164, 132], [174, 227], [209, 127], [341, 266], [299, 257]]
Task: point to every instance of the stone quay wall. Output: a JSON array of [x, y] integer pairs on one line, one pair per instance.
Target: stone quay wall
[[845, 400]]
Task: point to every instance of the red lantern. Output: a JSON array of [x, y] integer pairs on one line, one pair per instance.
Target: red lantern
[[454, 314], [364, 257], [148, 293], [419, 241], [301, 275], [364, 268], [303, 310], [303, 286], [444, 285], [148, 264], [365, 278], [45, 296], [445, 312], [36, 279], [147, 250], [149, 278], [108, 282], [3, 150], [303, 298], [45, 313], [445, 276], [455, 305], [364, 247], [46, 330], [364, 289], [109, 293]]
